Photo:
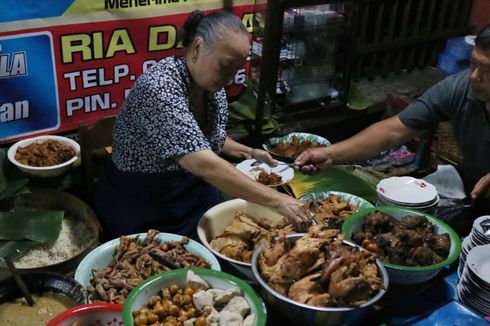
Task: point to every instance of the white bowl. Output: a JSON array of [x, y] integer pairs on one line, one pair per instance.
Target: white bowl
[[140, 295], [217, 218], [44, 171], [101, 256]]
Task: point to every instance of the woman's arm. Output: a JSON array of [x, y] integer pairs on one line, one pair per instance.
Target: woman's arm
[[224, 176]]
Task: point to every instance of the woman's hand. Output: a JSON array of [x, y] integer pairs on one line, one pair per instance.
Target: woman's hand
[[262, 156], [296, 212]]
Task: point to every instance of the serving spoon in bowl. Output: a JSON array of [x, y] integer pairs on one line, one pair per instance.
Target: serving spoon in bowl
[[18, 280]]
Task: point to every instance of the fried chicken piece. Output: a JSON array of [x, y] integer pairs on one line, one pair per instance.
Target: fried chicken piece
[[230, 246], [309, 291]]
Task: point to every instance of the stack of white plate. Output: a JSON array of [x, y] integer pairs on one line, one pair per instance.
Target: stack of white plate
[[407, 192], [474, 285], [476, 237]]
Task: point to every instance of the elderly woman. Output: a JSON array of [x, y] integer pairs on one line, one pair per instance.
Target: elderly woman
[[166, 169]]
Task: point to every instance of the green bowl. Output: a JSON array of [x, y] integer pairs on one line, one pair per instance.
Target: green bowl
[[140, 295], [407, 274]]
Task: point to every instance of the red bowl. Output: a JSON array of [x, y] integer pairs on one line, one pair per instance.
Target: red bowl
[[90, 314]]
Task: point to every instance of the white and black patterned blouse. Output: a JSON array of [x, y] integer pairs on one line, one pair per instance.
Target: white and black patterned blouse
[[156, 123]]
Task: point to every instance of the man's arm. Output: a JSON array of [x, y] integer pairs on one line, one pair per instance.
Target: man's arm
[[369, 142]]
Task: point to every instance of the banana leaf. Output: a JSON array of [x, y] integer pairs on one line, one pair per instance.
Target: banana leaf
[[30, 224], [15, 249], [334, 179]]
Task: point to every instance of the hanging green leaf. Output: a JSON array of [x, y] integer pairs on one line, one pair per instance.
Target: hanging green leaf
[[30, 224]]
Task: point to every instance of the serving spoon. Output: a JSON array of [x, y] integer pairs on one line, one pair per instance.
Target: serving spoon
[[20, 283], [287, 165]]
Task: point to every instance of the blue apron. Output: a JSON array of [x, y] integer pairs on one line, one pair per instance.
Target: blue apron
[[128, 202]]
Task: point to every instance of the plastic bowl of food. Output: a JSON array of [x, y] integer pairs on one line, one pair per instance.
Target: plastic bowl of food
[[398, 273], [334, 207], [309, 314], [89, 314], [100, 257], [288, 147], [234, 293], [214, 222], [52, 294], [52, 148]]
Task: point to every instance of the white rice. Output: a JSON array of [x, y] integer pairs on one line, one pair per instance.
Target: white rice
[[73, 239]]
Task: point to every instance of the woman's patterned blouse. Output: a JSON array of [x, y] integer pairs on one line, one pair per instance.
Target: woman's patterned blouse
[[156, 122]]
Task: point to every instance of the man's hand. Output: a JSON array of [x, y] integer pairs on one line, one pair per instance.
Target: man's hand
[[481, 187], [313, 160]]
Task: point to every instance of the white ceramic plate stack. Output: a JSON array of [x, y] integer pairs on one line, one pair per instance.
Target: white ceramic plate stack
[[476, 237], [407, 192], [474, 286]]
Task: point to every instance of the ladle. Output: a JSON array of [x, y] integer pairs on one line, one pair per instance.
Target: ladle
[[20, 283]]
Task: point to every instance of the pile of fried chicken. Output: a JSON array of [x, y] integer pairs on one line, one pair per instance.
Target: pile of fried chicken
[[269, 179], [320, 270], [132, 263], [240, 239], [332, 211], [293, 148], [411, 241]]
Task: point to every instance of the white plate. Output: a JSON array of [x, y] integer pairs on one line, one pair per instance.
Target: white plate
[[286, 173], [478, 260], [407, 190]]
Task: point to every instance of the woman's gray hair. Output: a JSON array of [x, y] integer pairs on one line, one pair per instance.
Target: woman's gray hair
[[210, 27]]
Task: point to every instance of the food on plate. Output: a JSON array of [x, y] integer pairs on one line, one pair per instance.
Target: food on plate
[[293, 148], [320, 270], [132, 263], [47, 305], [243, 236], [269, 178], [47, 153], [74, 238], [332, 211], [411, 241], [196, 304]]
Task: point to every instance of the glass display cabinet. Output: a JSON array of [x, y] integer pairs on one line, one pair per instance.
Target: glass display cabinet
[[301, 54]]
